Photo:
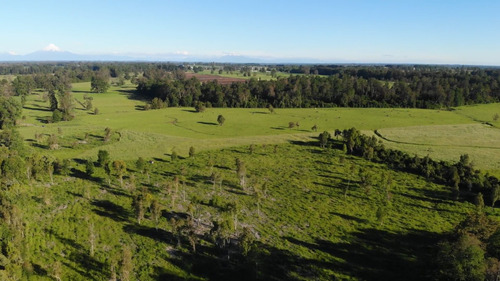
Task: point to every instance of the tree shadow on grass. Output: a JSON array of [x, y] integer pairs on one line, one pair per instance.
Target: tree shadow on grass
[[159, 235], [207, 123], [88, 266], [106, 208], [45, 109], [373, 254]]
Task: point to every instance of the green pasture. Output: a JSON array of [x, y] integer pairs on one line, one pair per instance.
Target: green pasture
[[256, 75], [153, 132], [448, 142]]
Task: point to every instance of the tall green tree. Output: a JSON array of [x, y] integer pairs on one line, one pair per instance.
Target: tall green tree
[[100, 82], [10, 111]]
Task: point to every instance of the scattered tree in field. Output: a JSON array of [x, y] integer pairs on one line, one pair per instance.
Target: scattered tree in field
[[107, 170], [270, 108], [92, 238], [120, 168], [158, 103], [177, 226], [88, 102], [139, 208], [52, 100], [173, 156], [102, 158], [191, 152], [314, 128], [140, 164], [99, 83], [216, 177], [126, 266], [247, 241], [107, 134], [66, 106], [251, 148], [200, 107], [495, 117], [52, 142], [89, 167], [233, 209], [323, 139], [57, 116], [291, 125], [96, 111], [221, 120], [155, 212], [241, 171], [65, 167]]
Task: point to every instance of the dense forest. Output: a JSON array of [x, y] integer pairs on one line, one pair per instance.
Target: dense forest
[[348, 87]]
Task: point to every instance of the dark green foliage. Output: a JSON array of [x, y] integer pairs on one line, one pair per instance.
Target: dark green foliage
[[102, 158], [462, 260], [173, 156], [99, 83], [89, 167], [463, 255], [323, 139], [191, 152], [458, 175], [10, 111], [397, 86], [140, 164], [57, 116], [221, 120], [11, 139], [157, 103], [200, 107]]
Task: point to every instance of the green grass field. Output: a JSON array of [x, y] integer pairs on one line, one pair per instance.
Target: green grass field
[[149, 133], [309, 227], [256, 75], [311, 214]]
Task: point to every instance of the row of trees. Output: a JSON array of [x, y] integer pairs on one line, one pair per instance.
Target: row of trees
[[346, 90], [461, 176]]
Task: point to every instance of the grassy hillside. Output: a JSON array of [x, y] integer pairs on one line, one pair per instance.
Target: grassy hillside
[[312, 216], [298, 212]]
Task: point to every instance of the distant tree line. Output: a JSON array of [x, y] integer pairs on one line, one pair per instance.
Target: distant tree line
[[438, 88]]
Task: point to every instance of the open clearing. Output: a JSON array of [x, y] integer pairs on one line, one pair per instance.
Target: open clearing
[[448, 142], [441, 134]]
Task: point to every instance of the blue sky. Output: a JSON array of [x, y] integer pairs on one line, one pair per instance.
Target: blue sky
[[403, 31]]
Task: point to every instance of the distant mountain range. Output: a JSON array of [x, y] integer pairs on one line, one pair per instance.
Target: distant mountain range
[[53, 54]]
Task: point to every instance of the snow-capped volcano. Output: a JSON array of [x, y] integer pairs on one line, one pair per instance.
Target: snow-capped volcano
[[52, 48]]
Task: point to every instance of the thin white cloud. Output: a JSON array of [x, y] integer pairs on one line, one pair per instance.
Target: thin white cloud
[[12, 53]]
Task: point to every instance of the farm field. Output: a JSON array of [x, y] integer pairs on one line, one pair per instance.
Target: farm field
[[441, 134], [238, 75], [448, 142]]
